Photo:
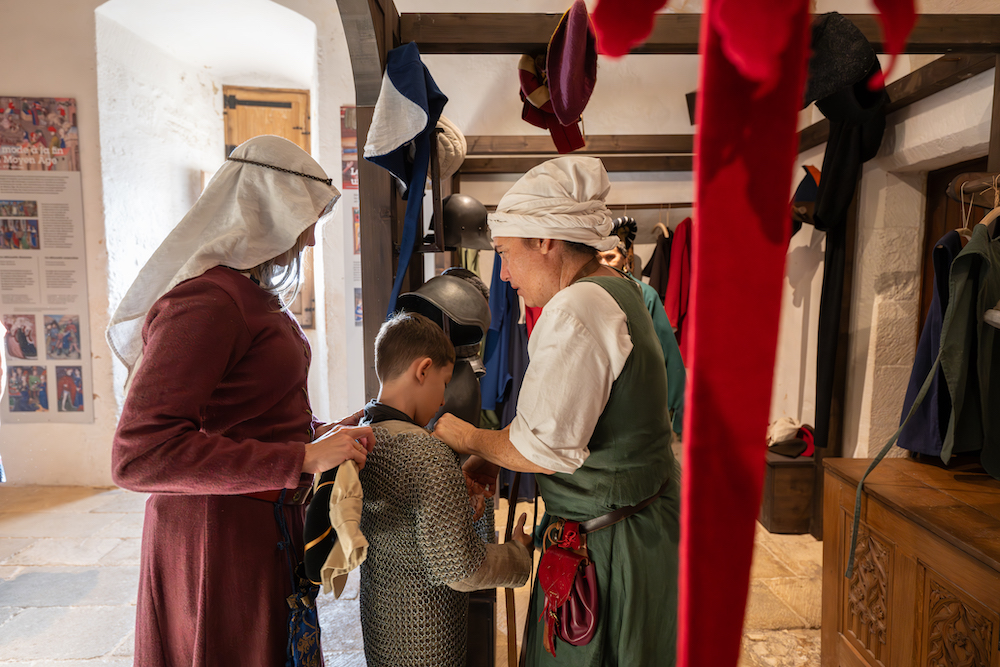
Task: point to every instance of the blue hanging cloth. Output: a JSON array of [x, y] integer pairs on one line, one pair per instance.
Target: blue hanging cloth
[[399, 139], [504, 313]]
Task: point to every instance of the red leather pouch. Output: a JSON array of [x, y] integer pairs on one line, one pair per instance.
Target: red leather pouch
[[569, 581]]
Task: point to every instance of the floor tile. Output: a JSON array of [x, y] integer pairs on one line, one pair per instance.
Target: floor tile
[[765, 611], [121, 525], [70, 586], [50, 498], [7, 613], [126, 647], [340, 622], [64, 551], [65, 633], [803, 594], [51, 524], [782, 648], [766, 566], [121, 501], [12, 545], [803, 554], [344, 658], [127, 552]]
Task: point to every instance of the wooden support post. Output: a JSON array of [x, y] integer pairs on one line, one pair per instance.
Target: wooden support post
[[372, 29]]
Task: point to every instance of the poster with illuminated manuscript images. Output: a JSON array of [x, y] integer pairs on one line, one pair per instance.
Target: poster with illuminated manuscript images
[[69, 388], [44, 301]]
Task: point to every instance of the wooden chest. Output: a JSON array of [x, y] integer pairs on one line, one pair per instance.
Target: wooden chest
[[787, 503], [925, 590]]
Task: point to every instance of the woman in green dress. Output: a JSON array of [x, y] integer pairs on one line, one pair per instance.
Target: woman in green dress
[[591, 416]]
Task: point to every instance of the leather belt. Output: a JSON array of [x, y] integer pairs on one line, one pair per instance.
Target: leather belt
[[296, 496], [611, 518]]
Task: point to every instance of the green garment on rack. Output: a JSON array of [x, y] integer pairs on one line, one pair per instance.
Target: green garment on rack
[[967, 351], [676, 374]]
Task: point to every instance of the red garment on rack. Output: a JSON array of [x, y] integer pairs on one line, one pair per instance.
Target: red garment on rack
[[679, 284]]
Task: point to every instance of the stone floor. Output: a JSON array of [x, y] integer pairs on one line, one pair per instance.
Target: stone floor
[[69, 570]]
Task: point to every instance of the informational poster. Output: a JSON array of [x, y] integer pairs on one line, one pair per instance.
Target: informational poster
[[43, 265], [350, 205]]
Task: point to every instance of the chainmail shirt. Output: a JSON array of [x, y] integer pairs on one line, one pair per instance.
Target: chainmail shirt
[[418, 523]]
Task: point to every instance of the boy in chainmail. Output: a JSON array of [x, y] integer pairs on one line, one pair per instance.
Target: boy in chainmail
[[423, 555]]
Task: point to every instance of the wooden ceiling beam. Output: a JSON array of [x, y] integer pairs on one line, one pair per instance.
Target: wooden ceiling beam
[[636, 144], [613, 163], [915, 86], [673, 33]]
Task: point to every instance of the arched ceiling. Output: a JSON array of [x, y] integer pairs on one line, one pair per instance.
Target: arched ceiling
[[235, 39]]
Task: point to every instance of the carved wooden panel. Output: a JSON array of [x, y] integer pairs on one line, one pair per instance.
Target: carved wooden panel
[[958, 634], [868, 595]]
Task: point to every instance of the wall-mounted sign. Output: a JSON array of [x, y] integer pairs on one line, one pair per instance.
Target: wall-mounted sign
[[43, 266]]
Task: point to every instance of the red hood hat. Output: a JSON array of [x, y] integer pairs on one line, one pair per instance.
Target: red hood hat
[[554, 97], [571, 64]]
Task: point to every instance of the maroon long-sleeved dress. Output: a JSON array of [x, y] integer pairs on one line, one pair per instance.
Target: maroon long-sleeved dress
[[218, 408]]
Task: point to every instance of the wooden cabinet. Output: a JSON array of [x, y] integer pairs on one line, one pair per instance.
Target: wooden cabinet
[[925, 591]]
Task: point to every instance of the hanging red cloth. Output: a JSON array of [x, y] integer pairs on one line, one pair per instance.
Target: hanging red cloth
[[678, 294], [754, 56]]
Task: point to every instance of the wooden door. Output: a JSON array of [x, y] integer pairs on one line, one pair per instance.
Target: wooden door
[[943, 215], [251, 112]]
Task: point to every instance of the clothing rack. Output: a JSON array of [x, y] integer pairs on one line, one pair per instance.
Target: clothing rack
[[976, 188]]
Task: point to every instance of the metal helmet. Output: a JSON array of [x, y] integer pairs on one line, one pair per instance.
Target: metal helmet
[[454, 304], [465, 223]]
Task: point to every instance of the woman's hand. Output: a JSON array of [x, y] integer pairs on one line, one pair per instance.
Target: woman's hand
[[336, 445], [454, 432], [352, 420]]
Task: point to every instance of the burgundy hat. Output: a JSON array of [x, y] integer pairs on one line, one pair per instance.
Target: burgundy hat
[[571, 64]]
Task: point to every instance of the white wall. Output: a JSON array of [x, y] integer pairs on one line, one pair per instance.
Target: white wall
[[949, 127], [63, 63], [162, 122]]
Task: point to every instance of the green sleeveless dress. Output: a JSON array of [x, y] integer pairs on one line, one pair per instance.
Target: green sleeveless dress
[[636, 559]]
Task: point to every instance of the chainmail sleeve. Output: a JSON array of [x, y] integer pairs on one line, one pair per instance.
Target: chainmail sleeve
[[449, 545]]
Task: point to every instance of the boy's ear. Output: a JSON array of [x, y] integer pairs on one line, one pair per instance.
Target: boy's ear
[[423, 366]]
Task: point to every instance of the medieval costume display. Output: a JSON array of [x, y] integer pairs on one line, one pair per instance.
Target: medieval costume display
[[424, 555], [220, 450]]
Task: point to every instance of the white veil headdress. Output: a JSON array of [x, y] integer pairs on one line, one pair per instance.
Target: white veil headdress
[[263, 197], [562, 198]]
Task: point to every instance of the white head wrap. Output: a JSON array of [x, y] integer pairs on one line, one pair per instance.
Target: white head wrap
[[247, 215], [562, 199]]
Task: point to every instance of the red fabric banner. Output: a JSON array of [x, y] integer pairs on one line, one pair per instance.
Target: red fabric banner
[[744, 152]]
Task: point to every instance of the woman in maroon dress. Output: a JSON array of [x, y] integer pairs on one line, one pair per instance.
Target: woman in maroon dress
[[216, 423]]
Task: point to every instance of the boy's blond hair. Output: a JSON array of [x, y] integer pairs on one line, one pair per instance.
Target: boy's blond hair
[[408, 336]]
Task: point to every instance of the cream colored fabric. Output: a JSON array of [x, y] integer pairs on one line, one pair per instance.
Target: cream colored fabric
[[351, 548], [451, 148], [561, 199], [782, 429], [507, 565], [247, 215]]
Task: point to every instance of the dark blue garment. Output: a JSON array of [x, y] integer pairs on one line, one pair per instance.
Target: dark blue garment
[[406, 73], [926, 430], [517, 366], [504, 313]]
